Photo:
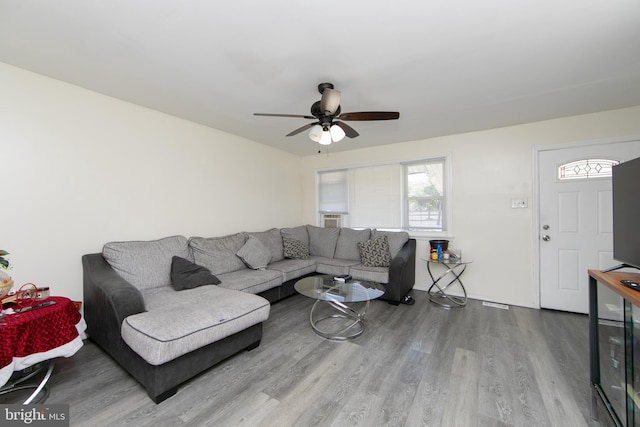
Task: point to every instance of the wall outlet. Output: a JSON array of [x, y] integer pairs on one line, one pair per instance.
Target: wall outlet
[[519, 203]]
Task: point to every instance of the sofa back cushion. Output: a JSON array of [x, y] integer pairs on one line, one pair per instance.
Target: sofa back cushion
[[218, 254], [297, 233], [146, 264], [322, 241], [347, 246], [397, 239], [273, 241]]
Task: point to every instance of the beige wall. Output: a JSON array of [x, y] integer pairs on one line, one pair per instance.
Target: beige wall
[[489, 169], [78, 169]]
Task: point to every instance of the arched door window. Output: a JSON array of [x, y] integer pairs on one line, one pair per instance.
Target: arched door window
[[586, 169]]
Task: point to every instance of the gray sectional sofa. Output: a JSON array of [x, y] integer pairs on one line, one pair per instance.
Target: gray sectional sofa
[[169, 309]]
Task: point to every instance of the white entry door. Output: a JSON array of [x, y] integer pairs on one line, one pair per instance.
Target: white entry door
[[575, 213]]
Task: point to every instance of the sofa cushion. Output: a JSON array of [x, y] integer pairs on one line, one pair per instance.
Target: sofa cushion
[[187, 275], [146, 264], [322, 241], [251, 281], [272, 239], [295, 249], [298, 233], [175, 326], [375, 252], [373, 274], [333, 266], [254, 254], [293, 268], [397, 239], [218, 254], [347, 245]]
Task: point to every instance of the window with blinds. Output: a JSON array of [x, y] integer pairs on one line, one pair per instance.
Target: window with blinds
[[409, 195]]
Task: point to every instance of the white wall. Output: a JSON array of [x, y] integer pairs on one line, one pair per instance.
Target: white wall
[[78, 169], [489, 169]]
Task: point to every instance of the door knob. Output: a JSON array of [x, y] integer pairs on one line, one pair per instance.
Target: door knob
[[546, 238]]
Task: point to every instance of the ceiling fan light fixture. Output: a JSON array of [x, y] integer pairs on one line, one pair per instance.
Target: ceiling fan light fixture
[[316, 133], [337, 134], [326, 138]]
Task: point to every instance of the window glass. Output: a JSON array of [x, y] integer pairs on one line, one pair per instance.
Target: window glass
[[426, 200], [586, 168]]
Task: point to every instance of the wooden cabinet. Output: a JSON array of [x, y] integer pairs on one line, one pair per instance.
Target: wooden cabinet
[[614, 334]]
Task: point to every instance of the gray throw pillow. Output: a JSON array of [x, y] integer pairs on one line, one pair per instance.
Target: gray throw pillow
[[295, 249], [272, 240], [375, 252], [254, 254], [187, 275]]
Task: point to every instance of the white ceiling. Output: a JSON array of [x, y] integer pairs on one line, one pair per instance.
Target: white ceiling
[[448, 66]]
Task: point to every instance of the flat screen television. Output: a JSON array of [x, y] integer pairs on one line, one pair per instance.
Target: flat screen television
[[626, 213]]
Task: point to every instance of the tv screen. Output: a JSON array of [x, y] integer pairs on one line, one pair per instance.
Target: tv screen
[[626, 213]]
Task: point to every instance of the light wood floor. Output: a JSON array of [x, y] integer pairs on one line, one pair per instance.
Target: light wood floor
[[418, 365]]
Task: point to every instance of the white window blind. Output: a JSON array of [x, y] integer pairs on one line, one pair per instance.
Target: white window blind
[[333, 192], [376, 196]]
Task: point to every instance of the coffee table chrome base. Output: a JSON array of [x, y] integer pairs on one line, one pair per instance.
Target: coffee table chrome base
[[352, 328]]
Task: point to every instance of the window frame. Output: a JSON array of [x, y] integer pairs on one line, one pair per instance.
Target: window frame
[[447, 231], [444, 199]]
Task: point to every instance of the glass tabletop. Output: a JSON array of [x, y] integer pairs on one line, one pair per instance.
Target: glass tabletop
[[324, 288], [450, 261]]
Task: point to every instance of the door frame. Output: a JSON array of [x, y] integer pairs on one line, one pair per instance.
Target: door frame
[[536, 226]]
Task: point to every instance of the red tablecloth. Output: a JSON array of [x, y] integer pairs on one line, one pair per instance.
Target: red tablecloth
[[38, 331]]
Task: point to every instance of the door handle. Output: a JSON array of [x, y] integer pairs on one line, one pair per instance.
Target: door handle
[[546, 238]]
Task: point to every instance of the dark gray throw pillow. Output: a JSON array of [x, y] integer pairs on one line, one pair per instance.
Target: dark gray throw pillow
[[187, 275]]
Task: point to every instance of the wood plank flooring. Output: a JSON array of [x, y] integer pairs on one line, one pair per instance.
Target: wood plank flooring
[[419, 365]]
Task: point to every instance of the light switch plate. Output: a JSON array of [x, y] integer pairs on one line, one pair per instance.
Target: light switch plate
[[519, 203]]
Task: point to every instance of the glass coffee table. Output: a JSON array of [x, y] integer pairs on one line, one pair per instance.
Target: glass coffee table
[[341, 321]]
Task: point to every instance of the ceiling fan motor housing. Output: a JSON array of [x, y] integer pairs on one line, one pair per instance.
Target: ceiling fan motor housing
[[323, 86]]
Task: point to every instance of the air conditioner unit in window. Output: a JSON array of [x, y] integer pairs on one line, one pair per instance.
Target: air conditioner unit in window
[[331, 221]]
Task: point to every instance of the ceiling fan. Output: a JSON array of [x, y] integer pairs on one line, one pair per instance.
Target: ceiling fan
[[328, 125]]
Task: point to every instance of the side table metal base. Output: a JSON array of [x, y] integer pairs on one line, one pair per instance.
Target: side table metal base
[[438, 293], [447, 301], [20, 384], [353, 327]]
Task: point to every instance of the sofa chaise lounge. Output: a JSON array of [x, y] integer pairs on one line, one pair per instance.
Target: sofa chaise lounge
[[145, 309]]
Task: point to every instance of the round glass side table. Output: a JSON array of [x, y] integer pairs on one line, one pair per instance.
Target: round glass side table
[[440, 287]]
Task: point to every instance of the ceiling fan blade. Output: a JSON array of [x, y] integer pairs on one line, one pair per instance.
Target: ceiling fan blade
[[284, 115], [348, 130], [330, 101], [302, 129], [369, 115]]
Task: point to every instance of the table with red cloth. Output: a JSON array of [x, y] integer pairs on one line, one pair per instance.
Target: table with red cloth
[[40, 334]]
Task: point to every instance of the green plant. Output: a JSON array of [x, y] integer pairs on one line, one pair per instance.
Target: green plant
[[4, 263]]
